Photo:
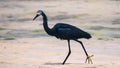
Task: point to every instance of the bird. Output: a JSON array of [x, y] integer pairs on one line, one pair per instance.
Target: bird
[[65, 32]]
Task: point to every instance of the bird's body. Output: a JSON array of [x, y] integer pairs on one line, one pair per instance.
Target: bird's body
[[65, 32]]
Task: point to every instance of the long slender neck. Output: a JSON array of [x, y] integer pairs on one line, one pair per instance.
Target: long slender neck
[[45, 24]]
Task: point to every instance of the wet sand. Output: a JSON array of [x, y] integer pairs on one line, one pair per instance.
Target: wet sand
[[24, 44]]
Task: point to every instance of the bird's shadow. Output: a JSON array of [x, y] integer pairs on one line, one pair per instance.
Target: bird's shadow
[[48, 63]]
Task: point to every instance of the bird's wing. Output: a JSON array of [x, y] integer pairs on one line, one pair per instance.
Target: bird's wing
[[66, 31]]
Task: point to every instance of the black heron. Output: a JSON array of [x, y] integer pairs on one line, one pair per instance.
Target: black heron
[[65, 32]]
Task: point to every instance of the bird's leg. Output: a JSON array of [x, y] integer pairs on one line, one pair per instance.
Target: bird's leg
[[68, 52], [88, 59]]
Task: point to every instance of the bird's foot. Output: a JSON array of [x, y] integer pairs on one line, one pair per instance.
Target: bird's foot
[[89, 60]]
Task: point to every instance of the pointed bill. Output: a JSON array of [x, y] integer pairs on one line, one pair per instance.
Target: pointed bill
[[35, 17]]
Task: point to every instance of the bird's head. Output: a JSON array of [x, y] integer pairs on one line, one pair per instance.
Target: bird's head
[[39, 12]]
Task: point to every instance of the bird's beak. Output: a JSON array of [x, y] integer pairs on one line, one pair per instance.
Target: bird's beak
[[35, 16]]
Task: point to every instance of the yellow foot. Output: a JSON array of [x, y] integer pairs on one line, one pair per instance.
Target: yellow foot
[[89, 60]]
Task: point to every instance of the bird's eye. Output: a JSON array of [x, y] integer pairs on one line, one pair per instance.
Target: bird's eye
[[39, 13]]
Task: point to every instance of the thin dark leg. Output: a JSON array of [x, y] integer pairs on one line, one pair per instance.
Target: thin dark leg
[[68, 52], [82, 47], [88, 57]]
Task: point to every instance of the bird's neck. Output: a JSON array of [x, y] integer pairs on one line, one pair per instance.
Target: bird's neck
[[45, 24]]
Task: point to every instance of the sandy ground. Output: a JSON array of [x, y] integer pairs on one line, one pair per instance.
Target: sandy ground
[[24, 44], [39, 53]]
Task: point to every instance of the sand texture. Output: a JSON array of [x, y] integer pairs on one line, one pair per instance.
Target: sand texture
[[25, 44]]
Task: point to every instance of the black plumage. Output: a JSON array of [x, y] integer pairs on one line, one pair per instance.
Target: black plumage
[[65, 32]]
